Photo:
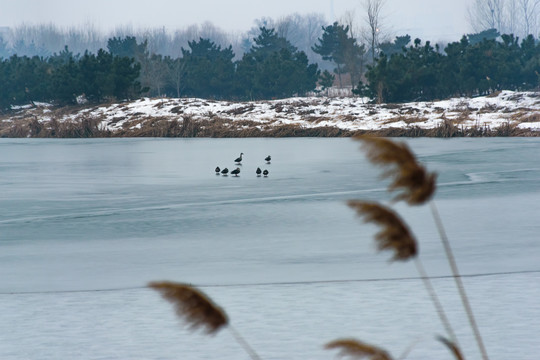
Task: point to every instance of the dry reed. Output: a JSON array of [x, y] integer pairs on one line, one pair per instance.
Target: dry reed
[[358, 349], [192, 305], [416, 183], [454, 349], [395, 235], [457, 278], [418, 187], [198, 310]]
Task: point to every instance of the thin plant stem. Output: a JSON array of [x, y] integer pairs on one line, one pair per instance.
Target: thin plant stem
[[244, 344], [457, 279], [435, 299], [407, 351]]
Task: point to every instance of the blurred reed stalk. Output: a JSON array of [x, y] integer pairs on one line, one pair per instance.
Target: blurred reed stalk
[[457, 279], [358, 349], [395, 235], [417, 187], [452, 347], [199, 311]]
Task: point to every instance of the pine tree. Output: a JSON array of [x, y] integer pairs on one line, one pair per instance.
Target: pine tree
[[326, 80], [65, 80], [127, 46], [273, 68], [395, 47], [337, 46], [209, 69]]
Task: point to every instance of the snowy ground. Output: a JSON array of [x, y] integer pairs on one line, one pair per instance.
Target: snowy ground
[[517, 109]]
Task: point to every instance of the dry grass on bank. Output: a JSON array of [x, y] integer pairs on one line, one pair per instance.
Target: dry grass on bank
[[86, 127], [310, 117]]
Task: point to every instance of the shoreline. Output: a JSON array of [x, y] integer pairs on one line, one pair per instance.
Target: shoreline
[[507, 113]]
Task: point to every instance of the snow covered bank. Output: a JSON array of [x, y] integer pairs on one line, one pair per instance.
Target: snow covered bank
[[194, 117]]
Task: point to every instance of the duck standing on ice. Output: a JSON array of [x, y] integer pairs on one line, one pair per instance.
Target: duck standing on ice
[[238, 160]]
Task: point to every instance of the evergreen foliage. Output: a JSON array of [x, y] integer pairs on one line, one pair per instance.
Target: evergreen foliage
[[127, 46], [423, 72], [326, 80], [395, 47], [62, 77], [477, 64], [489, 34], [337, 46], [273, 68], [208, 69]]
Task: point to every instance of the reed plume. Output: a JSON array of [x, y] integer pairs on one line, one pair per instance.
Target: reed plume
[[418, 187], [358, 349], [454, 349], [198, 310], [416, 184], [395, 235], [192, 305]]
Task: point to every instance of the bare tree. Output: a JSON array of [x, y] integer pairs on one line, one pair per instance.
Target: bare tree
[[518, 17], [313, 27], [158, 39], [302, 30], [487, 14], [176, 72], [511, 17], [349, 19], [529, 10], [355, 56], [157, 75], [373, 19]]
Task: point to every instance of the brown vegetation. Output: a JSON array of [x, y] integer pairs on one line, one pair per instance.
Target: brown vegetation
[[192, 305], [418, 187], [358, 349], [416, 183], [199, 311], [225, 128], [80, 121], [395, 235]]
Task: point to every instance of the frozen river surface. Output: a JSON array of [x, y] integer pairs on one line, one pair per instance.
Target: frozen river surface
[[85, 224]]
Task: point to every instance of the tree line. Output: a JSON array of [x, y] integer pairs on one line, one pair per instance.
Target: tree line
[[468, 67], [63, 77], [274, 68]]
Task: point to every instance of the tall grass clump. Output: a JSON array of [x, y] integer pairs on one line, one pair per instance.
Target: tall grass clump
[[416, 186]]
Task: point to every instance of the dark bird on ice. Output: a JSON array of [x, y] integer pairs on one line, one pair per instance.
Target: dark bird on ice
[[239, 159], [217, 170], [258, 171], [265, 172], [236, 171], [225, 171], [268, 158]]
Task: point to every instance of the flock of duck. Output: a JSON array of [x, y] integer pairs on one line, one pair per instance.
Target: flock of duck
[[238, 161]]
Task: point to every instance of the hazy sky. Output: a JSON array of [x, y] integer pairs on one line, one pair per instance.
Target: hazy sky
[[428, 19]]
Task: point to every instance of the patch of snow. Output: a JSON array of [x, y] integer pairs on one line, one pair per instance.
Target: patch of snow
[[348, 113]]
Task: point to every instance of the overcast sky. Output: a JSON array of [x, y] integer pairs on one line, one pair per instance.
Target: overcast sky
[[428, 19]]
